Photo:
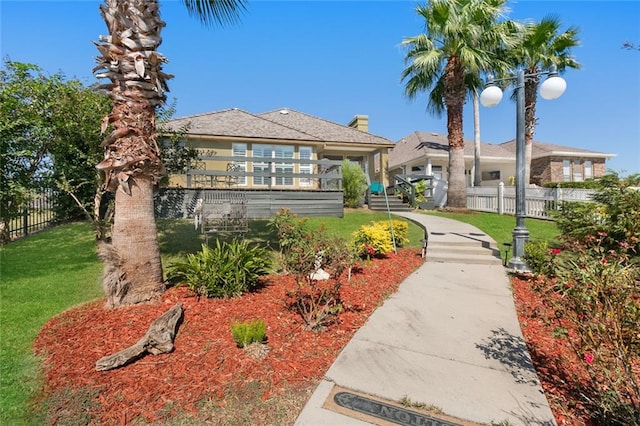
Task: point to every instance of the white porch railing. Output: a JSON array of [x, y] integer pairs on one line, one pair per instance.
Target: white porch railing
[[539, 202]]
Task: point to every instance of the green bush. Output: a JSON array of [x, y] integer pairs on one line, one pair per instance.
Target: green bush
[[595, 286], [540, 258], [303, 253], [586, 184], [248, 332], [375, 239], [227, 270], [354, 184], [615, 210]]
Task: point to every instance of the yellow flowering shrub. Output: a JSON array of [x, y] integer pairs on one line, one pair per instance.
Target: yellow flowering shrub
[[375, 238]]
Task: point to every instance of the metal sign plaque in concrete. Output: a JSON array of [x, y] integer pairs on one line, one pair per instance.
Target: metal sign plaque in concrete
[[389, 413]]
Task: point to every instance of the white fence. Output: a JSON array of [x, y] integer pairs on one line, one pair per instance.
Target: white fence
[[539, 202]]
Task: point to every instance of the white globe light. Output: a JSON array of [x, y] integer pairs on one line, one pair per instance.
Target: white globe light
[[553, 88], [491, 96]]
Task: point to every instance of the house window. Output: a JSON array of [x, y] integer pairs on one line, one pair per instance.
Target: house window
[[588, 169], [566, 170], [305, 153], [577, 171], [240, 150], [436, 171], [278, 167]]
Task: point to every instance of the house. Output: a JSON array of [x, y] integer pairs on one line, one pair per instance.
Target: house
[[281, 149], [428, 153]]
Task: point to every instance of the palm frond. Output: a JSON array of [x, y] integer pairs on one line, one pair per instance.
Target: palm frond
[[216, 11]]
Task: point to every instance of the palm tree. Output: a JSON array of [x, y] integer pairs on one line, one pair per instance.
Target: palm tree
[[461, 40], [132, 163], [542, 45]]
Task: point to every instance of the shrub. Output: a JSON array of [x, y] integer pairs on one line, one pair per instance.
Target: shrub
[[303, 254], [376, 239], [615, 210], [226, 270], [600, 297], [540, 258], [248, 332], [597, 279], [354, 184]]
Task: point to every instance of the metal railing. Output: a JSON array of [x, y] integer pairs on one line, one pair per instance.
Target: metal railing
[[274, 173]]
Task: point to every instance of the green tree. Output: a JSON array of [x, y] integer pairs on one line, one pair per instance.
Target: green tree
[[132, 165], [48, 135], [541, 46], [77, 113], [462, 39], [354, 183], [25, 97]]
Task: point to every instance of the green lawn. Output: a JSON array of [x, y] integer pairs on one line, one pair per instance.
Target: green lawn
[[46, 273], [40, 277], [500, 227]]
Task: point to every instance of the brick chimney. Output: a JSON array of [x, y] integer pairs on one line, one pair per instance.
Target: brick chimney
[[360, 122]]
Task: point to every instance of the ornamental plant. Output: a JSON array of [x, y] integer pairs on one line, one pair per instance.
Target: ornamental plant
[[317, 262], [227, 270], [248, 332], [595, 287], [377, 238]]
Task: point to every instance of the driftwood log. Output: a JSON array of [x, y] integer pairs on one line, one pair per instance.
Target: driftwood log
[[157, 340]]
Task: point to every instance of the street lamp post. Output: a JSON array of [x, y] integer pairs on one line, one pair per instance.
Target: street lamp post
[[552, 88]]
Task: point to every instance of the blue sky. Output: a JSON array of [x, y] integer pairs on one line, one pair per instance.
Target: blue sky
[[336, 59]]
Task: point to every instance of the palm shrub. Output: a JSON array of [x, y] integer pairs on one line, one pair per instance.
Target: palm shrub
[[354, 183], [595, 287], [227, 270]]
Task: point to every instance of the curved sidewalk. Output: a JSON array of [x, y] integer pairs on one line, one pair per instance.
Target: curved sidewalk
[[449, 339]]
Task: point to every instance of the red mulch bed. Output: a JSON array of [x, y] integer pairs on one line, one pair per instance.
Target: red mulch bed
[[555, 361], [206, 361]]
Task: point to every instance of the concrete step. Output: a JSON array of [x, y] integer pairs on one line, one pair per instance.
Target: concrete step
[[476, 259], [378, 203], [463, 252]]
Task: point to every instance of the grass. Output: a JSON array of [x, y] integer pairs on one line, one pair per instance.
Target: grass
[[51, 271], [40, 277], [500, 227], [46, 273]]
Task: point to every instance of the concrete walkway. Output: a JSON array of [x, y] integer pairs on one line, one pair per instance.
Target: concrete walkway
[[448, 339]]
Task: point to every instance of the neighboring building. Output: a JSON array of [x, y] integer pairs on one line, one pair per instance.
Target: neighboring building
[[280, 149], [428, 153]]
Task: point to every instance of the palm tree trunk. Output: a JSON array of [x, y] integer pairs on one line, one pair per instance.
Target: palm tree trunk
[[134, 271], [530, 97], [132, 165], [455, 94]]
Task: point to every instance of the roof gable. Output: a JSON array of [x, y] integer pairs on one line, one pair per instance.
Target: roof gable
[[325, 130]]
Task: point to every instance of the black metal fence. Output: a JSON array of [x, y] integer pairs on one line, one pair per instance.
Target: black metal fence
[[36, 215]]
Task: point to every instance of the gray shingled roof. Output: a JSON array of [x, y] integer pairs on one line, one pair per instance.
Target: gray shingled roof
[[421, 144], [322, 129], [543, 149], [284, 124]]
